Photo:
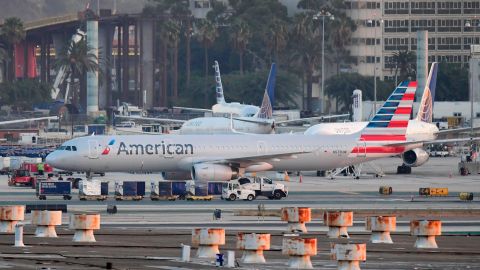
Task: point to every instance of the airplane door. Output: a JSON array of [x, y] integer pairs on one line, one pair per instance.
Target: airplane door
[[261, 148], [361, 149], [93, 149]]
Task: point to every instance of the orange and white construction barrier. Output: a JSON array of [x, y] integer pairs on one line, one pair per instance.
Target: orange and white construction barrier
[[46, 221], [253, 245], [426, 230], [10, 215], [207, 240], [84, 224], [296, 218], [337, 223], [349, 256], [299, 251], [381, 226]]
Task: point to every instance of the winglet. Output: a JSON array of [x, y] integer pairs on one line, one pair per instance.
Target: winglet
[[266, 111], [218, 84], [425, 112]]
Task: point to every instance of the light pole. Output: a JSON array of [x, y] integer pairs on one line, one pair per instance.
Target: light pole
[[473, 24], [323, 14], [374, 24]]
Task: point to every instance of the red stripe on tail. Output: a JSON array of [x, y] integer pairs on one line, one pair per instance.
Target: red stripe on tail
[[398, 124], [403, 110], [408, 96]]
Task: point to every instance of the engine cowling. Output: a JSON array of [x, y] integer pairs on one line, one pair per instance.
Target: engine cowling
[[415, 157], [214, 172]]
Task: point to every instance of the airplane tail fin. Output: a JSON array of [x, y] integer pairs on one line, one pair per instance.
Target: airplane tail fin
[[218, 84], [390, 124], [425, 112], [266, 110]]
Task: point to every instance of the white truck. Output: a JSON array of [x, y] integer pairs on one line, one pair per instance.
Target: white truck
[[243, 188]]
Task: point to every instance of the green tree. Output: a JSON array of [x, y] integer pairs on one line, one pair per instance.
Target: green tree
[[23, 94], [340, 31], [341, 86], [77, 59], [172, 32], [452, 83], [249, 88], [306, 52], [276, 38], [12, 32], [240, 36], [404, 62]]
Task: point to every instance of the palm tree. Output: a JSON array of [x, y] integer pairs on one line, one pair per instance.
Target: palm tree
[[207, 33], [341, 33], [306, 52], [240, 36], [172, 29], [77, 59], [276, 37], [405, 62], [12, 32]]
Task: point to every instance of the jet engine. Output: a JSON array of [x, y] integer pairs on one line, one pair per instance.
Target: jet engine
[[213, 172], [415, 157]]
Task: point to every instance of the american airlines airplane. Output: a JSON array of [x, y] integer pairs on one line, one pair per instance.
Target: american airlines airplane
[[422, 124], [225, 157]]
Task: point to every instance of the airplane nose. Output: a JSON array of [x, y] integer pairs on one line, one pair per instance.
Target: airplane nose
[[51, 159]]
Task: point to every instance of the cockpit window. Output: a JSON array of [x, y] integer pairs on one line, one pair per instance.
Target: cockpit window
[[68, 148], [74, 148], [61, 147]]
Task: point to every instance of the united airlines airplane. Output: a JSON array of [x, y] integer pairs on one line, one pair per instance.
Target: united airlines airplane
[[225, 157]]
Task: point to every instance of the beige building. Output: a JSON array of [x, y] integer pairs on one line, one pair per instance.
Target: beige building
[[389, 26]]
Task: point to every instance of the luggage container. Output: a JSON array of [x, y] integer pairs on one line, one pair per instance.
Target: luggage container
[[129, 190], [162, 191], [91, 190], [215, 188], [466, 196], [200, 193], [54, 188], [385, 190]]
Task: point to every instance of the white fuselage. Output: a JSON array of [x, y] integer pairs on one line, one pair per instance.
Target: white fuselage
[[235, 109], [222, 125], [416, 130], [179, 153]]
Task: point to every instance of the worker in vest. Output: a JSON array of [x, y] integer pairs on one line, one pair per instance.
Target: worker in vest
[[40, 168]]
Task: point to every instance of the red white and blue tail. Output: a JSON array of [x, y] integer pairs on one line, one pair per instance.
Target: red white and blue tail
[[389, 125]]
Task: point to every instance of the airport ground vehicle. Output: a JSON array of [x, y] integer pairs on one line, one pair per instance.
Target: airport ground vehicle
[[129, 190], [22, 177], [258, 186], [232, 190], [54, 188], [92, 190]]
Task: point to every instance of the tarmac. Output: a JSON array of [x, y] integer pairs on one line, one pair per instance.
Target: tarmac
[[148, 234]]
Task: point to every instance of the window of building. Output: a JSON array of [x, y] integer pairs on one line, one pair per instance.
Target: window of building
[[471, 7], [396, 7], [449, 7], [396, 26], [423, 8]]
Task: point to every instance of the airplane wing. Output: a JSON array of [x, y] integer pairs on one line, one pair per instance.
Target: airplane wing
[[193, 109], [308, 119], [28, 120], [251, 160], [259, 121], [456, 140], [168, 120], [457, 130]]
